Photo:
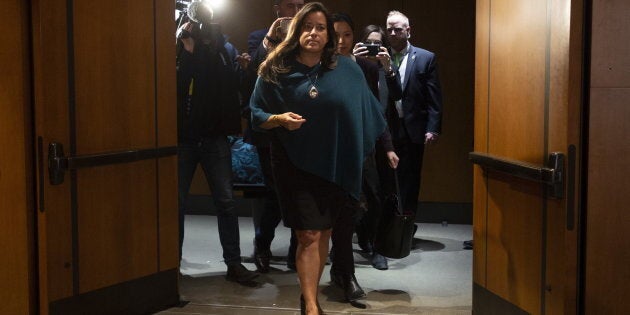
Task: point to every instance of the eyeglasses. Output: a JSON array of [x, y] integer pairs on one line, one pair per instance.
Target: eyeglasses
[[396, 30], [374, 42]]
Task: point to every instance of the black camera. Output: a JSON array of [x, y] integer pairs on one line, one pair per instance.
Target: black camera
[[373, 49]]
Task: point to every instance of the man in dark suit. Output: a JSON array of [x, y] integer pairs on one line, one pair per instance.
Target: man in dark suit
[[267, 218], [415, 121]]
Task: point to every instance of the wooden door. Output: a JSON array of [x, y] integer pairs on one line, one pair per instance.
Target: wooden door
[[607, 221], [527, 106], [104, 80]]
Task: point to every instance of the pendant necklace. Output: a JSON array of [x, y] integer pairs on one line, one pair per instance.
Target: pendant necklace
[[313, 92]]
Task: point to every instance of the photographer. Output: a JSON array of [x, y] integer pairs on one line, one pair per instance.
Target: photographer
[[208, 111]]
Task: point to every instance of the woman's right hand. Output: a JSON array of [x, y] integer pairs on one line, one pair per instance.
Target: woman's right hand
[[288, 120], [188, 41], [359, 50]]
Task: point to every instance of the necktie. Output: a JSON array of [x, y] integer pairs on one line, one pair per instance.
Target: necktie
[[397, 59]]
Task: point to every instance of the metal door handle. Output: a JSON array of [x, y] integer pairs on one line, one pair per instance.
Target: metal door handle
[[58, 163], [552, 175]]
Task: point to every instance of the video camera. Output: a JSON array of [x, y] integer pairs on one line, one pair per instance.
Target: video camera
[[200, 14]]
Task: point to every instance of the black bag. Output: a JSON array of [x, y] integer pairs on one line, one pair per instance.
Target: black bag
[[394, 237]]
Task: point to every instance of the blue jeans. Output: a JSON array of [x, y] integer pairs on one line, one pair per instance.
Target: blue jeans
[[214, 155]]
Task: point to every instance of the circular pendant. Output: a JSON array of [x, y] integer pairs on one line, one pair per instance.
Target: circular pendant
[[313, 92]]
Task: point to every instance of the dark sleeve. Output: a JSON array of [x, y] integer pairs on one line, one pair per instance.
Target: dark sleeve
[[370, 72], [259, 104], [185, 67], [385, 140], [254, 40], [433, 97], [250, 76]]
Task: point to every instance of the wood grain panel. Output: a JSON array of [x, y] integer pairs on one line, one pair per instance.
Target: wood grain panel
[[168, 213], [447, 29], [51, 123], [516, 129], [117, 223], [561, 249], [480, 193], [17, 288], [115, 87], [607, 242], [514, 241], [165, 75], [611, 67], [517, 58]]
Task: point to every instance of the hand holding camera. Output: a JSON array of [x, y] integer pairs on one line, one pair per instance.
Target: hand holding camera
[[184, 33], [277, 31]]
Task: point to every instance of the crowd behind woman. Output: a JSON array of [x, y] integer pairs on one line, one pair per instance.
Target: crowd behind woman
[[321, 99]]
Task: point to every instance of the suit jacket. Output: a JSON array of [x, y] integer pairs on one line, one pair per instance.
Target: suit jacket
[[254, 39], [422, 95]]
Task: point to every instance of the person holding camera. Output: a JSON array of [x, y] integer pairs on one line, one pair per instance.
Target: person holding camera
[[323, 121], [207, 111], [373, 49], [267, 218]]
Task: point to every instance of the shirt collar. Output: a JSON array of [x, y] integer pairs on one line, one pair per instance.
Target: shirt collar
[[404, 51]]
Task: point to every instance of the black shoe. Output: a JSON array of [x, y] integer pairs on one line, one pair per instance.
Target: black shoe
[[261, 258], [379, 262], [468, 244], [238, 273], [366, 247], [352, 291], [362, 240]]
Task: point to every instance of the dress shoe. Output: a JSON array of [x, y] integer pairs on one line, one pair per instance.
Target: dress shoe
[[468, 244], [261, 258], [362, 240], [352, 291], [238, 273], [366, 247], [379, 262]]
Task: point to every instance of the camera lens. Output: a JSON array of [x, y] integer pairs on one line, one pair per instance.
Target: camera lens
[[373, 49]]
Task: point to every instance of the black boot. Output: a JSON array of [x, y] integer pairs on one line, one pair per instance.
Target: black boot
[[348, 282], [262, 257]]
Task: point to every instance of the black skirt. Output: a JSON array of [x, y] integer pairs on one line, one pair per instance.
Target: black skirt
[[307, 201]]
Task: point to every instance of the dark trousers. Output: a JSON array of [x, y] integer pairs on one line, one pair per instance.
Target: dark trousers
[[342, 253], [214, 155], [268, 217], [373, 192], [367, 221], [409, 171]]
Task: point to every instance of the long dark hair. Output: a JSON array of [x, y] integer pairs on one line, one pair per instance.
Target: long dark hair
[[375, 29], [278, 60]]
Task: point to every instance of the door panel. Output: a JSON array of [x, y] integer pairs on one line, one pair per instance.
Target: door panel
[[117, 224], [105, 82], [17, 202], [527, 57]]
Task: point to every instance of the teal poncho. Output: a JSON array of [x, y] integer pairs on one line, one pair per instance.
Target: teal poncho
[[342, 122]]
